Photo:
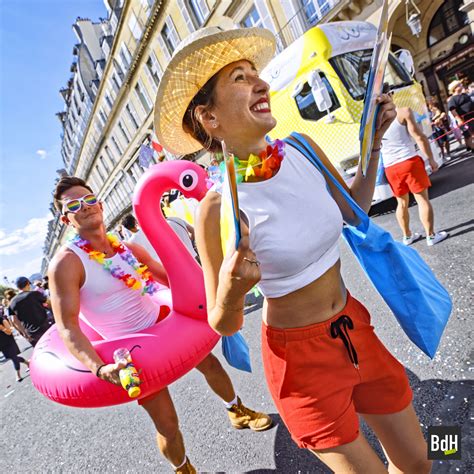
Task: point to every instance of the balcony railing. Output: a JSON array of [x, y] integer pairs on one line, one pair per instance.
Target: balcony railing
[[304, 19]]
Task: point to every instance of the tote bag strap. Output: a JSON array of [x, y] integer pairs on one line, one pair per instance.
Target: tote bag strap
[[301, 144]]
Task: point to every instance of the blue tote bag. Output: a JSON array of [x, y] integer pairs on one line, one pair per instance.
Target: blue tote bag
[[419, 302], [236, 352]]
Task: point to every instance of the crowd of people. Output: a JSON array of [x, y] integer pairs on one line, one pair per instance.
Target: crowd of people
[[27, 313], [456, 117], [323, 362]]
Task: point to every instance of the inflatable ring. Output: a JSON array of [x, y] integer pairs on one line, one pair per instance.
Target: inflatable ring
[[165, 351]]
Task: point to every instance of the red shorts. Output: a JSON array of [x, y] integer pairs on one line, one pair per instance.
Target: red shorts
[[408, 176], [315, 384]]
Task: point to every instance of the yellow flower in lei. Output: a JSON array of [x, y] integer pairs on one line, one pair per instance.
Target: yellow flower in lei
[[252, 163], [98, 257]]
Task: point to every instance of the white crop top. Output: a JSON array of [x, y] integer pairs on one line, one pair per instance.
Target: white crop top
[[294, 225], [110, 307]]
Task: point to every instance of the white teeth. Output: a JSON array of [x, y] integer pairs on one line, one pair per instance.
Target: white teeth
[[260, 106]]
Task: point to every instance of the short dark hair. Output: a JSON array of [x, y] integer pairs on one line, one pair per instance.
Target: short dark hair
[[129, 222], [22, 282], [65, 183]]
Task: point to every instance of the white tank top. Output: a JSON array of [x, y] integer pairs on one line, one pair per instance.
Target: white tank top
[[397, 145], [110, 307], [294, 225]]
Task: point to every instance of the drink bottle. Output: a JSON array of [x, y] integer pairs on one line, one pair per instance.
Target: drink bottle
[[129, 377]]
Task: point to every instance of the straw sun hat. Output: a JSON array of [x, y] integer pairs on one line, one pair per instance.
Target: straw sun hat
[[452, 85], [199, 56]]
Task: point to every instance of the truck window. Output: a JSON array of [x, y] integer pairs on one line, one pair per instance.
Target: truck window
[[353, 69], [306, 105]]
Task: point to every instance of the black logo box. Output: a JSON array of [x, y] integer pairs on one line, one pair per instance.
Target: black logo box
[[444, 443]]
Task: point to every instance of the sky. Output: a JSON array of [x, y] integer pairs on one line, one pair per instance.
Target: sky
[[36, 43]]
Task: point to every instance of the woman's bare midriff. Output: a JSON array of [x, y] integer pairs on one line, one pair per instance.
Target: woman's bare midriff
[[314, 303]]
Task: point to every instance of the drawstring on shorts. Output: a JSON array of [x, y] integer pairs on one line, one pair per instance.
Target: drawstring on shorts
[[339, 329]]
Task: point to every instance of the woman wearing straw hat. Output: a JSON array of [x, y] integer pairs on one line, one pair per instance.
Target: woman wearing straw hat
[[210, 92], [461, 106]]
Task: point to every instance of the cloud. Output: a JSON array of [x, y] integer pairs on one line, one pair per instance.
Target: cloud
[[27, 238], [42, 154], [27, 269]]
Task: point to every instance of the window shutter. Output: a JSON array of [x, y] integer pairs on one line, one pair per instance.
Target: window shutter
[[174, 33], [163, 47], [187, 17], [204, 8], [265, 15]]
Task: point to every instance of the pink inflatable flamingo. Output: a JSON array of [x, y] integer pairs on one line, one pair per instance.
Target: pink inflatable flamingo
[[165, 351]]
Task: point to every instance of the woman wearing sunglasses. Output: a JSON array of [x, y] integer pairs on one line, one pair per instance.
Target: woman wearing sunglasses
[[117, 306], [323, 362]]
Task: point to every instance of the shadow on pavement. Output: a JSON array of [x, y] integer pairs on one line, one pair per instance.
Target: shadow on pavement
[[462, 231], [437, 403]]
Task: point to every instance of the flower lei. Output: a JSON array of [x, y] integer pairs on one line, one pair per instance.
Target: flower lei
[[147, 284], [263, 166]]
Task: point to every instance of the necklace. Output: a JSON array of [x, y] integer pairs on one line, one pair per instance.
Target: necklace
[[147, 285], [264, 165]]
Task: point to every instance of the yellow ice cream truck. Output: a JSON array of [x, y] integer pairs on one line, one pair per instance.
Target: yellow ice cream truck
[[318, 85]]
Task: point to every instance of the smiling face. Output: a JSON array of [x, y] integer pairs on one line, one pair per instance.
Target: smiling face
[[88, 217], [238, 108]]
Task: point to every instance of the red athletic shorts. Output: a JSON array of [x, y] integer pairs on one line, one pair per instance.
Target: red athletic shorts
[[318, 390], [408, 176]]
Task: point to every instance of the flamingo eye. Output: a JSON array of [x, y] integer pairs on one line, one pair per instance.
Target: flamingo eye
[[188, 180]]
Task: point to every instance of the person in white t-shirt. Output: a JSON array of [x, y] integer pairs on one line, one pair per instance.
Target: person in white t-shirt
[[182, 229]]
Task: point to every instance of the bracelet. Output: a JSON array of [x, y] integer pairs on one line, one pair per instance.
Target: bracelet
[[97, 372], [375, 150]]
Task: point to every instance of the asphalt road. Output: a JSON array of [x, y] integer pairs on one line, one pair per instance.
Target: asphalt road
[[40, 436]]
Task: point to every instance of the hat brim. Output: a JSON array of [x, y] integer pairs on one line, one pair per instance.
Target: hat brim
[[190, 69]]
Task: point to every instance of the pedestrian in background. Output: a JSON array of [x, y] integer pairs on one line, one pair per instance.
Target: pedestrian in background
[[406, 173], [439, 122], [462, 107], [183, 230], [29, 313], [9, 347]]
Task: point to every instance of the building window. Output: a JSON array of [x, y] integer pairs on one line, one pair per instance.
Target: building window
[[104, 164], [124, 132], [170, 36], [102, 174], [447, 20], [102, 116], [199, 11], [125, 57], [97, 127], [135, 27], [147, 4], [142, 95], [132, 115], [109, 154], [252, 19], [108, 100], [116, 146], [153, 70], [314, 10], [115, 82]]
